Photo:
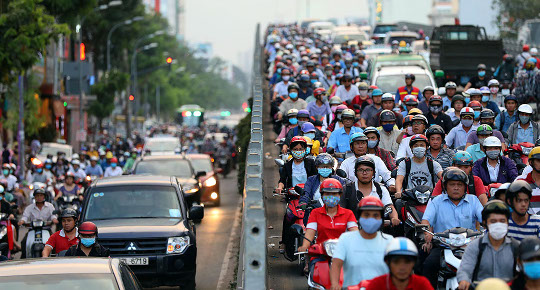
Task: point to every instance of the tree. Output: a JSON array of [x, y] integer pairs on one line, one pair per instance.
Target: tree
[[105, 90], [514, 13]]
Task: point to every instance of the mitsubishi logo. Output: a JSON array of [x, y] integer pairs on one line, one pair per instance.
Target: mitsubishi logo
[[132, 247]]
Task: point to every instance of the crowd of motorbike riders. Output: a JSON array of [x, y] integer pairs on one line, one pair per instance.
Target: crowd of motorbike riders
[[51, 193], [403, 184]]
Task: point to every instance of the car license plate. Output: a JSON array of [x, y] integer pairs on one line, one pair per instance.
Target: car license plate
[[135, 260]]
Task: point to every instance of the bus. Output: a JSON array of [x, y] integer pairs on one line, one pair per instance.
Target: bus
[[190, 115]]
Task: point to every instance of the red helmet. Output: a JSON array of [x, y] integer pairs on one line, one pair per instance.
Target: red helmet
[[474, 104], [70, 174], [40, 165], [417, 138], [88, 228], [318, 91], [526, 47], [372, 87], [331, 185], [407, 120], [298, 139], [435, 98], [369, 203], [114, 160]]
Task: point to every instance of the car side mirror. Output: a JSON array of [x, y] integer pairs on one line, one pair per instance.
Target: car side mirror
[[200, 174], [196, 212], [341, 173]]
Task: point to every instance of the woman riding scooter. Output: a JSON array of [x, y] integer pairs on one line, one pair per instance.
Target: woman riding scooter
[[69, 187], [298, 169]]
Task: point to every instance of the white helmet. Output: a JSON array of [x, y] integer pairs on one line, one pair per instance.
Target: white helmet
[[493, 82], [533, 51], [525, 108], [75, 156], [75, 162], [492, 141], [400, 247]]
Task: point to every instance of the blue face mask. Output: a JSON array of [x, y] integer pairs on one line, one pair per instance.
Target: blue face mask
[[388, 127], [337, 83], [476, 114], [298, 154], [330, 200], [293, 95], [39, 170], [324, 172], [113, 165], [313, 81], [482, 73], [485, 99], [48, 166], [308, 150], [355, 64], [6, 172], [278, 70], [370, 225], [1, 197], [310, 135], [532, 269], [88, 242], [293, 121], [467, 100]]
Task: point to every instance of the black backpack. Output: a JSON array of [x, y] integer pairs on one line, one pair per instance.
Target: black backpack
[[482, 247], [408, 164]]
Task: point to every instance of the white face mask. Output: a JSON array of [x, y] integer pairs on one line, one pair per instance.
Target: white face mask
[[494, 90], [498, 230]]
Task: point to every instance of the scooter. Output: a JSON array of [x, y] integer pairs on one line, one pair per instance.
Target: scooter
[[453, 241], [519, 153], [411, 208], [38, 235], [319, 268], [6, 235], [224, 164]]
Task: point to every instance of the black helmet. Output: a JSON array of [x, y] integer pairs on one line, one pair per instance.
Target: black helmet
[[518, 186], [455, 174], [433, 130], [324, 159], [457, 98], [481, 66], [410, 76], [486, 114], [450, 85], [69, 212], [38, 191], [372, 130], [529, 248], [495, 206], [293, 86], [364, 160], [389, 116]]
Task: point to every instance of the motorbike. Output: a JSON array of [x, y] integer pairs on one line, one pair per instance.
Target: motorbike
[[6, 235], [411, 208], [453, 241], [319, 268], [38, 235], [519, 153], [224, 163], [339, 156]]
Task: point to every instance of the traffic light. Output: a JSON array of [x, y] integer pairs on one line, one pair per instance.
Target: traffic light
[[169, 62], [131, 97], [82, 51]]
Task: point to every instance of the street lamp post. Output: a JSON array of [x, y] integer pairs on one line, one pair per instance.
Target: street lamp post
[[79, 61], [116, 26]]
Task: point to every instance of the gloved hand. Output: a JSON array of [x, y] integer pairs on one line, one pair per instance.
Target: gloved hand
[[303, 206]]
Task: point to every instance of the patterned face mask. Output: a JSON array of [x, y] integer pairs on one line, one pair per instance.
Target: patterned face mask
[[330, 200]]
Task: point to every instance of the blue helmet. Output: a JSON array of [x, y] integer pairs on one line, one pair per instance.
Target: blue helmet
[[358, 137], [324, 159], [377, 92], [308, 127], [400, 247]]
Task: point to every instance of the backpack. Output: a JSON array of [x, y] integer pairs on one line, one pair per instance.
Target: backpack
[[482, 247], [472, 188], [408, 164]]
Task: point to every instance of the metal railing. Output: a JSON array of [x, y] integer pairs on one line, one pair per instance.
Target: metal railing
[[252, 266]]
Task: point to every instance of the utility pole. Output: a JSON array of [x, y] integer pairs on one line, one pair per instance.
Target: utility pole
[[158, 96], [20, 134]]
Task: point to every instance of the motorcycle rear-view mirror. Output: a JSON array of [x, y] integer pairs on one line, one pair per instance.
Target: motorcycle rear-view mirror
[[330, 151], [279, 162], [341, 173], [299, 190], [298, 229], [200, 174]]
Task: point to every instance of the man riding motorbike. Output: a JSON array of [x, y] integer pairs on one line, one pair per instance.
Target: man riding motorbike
[[66, 237], [87, 246]]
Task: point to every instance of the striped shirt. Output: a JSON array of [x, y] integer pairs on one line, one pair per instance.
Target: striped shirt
[[530, 229], [444, 157]]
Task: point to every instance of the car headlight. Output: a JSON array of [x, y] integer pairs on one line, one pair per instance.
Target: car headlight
[[190, 188], [210, 182], [177, 245]]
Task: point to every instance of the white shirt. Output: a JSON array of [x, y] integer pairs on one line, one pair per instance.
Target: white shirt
[[281, 88], [493, 171], [404, 149], [79, 174], [381, 171], [386, 199], [117, 171], [10, 180], [345, 95]]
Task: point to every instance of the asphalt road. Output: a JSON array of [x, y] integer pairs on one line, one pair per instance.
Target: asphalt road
[[217, 239]]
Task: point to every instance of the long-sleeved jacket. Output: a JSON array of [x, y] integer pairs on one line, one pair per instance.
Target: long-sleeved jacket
[[285, 175], [513, 131], [507, 170], [313, 183]]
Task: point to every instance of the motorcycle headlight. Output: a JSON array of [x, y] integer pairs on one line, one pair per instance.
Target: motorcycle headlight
[[37, 224], [329, 247], [210, 182], [526, 150], [190, 188], [422, 196], [177, 245]]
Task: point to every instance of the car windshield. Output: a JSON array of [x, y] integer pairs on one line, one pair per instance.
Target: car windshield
[[390, 83], [132, 201], [380, 29], [52, 150], [402, 62], [174, 167], [348, 37], [407, 39], [60, 281], [202, 164], [162, 145]]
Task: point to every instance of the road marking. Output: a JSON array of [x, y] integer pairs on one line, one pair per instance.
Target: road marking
[[227, 258]]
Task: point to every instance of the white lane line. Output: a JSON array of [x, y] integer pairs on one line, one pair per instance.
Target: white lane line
[[228, 253]]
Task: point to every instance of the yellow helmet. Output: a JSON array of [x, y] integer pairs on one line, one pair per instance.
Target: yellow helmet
[[492, 284], [402, 43], [308, 141], [415, 111], [535, 153], [109, 155]]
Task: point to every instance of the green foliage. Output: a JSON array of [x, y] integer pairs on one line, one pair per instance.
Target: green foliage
[[67, 11], [514, 13], [105, 90], [25, 30]]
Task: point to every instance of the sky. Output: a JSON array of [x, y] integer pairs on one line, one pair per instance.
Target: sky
[[230, 24]]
